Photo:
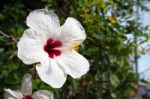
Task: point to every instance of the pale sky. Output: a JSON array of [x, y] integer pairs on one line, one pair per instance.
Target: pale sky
[[144, 60]]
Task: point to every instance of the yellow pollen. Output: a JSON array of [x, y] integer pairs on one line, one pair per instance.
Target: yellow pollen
[[75, 45]]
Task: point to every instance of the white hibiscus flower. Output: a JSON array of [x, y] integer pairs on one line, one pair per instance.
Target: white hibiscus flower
[[53, 47], [26, 91]]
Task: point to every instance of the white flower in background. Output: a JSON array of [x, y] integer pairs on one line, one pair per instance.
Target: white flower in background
[[53, 47], [26, 91]]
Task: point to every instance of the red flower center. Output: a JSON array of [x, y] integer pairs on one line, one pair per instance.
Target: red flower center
[[27, 97], [50, 47]]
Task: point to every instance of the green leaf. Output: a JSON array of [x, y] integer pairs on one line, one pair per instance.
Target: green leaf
[[114, 80]]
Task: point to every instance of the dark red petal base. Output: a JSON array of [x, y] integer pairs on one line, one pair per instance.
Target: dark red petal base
[[50, 46], [27, 97]]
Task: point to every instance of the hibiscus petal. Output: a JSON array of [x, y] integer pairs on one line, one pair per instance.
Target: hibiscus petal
[[30, 47], [51, 73], [43, 94], [74, 64], [71, 30], [44, 21], [26, 86], [10, 94]]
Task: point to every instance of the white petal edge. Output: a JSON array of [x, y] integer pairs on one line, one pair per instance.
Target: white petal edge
[[44, 21], [71, 30], [43, 94], [74, 64], [50, 73], [30, 47], [10, 94], [26, 85]]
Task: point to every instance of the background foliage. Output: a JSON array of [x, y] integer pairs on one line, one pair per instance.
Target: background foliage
[[106, 22]]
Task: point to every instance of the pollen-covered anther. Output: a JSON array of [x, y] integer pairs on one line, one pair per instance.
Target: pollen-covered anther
[[75, 46]]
